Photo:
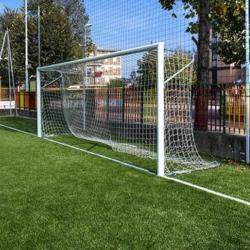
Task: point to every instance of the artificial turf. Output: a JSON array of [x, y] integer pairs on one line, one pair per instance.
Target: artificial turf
[[230, 178], [53, 197]]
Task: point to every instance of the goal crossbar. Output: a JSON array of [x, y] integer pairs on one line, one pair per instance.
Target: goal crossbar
[[157, 46]]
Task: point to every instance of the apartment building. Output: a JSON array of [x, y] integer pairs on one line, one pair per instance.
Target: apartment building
[[104, 71]]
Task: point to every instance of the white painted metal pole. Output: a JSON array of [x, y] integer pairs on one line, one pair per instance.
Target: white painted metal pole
[[39, 35], [3, 44], [160, 111], [247, 82], [9, 75], [85, 75], [12, 73], [39, 107], [26, 48]]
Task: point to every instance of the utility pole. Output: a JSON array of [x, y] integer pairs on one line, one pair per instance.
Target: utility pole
[[84, 45], [85, 33], [85, 70]]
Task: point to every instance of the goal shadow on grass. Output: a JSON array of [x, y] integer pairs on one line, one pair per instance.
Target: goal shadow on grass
[[105, 150]]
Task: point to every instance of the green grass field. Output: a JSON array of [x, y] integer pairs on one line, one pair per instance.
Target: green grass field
[[53, 197]]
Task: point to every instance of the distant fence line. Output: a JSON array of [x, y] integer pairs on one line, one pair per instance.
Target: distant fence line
[[225, 110]]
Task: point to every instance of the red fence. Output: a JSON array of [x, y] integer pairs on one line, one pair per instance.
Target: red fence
[[220, 108], [26, 100]]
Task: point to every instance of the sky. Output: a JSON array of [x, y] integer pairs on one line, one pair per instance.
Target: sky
[[123, 24], [120, 24], [10, 3]]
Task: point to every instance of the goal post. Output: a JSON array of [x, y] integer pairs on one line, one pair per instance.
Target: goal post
[[137, 101], [160, 110], [39, 107]]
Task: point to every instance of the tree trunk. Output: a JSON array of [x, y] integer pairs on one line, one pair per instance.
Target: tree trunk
[[201, 114]]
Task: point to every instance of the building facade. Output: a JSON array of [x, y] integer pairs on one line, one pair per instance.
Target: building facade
[[104, 71], [220, 72]]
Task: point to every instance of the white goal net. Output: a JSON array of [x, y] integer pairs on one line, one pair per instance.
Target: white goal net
[[121, 99]]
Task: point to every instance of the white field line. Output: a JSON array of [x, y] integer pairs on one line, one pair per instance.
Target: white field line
[[206, 190], [101, 156], [82, 150], [17, 130], [228, 197]]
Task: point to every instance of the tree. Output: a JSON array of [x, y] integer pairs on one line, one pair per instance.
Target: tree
[[227, 20], [116, 83], [202, 27], [59, 38], [13, 20], [230, 28], [78, 19], [147, 73], [219, 15], [175, 61], [56, 36], [56, 40], [77, 16]]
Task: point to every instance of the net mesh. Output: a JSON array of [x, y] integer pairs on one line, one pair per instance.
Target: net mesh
[[181, 151], [114, 101], [88, 101]]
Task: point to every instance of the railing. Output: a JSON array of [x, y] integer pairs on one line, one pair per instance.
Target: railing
[[220, 108], [23, 101], [6, 95], [26, 101]]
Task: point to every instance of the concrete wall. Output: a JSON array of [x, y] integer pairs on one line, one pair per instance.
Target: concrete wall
[[224, 146]]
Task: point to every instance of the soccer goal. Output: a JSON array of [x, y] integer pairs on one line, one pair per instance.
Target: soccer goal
[[136, 101]]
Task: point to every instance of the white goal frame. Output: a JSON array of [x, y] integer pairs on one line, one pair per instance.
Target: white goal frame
[[160, 93]]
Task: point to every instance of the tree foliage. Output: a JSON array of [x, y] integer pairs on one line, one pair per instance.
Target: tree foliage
[[146, 74], [61, 34], [229, 25], [226, 18]]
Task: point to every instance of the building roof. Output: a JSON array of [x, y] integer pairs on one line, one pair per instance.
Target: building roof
[[105, 50]]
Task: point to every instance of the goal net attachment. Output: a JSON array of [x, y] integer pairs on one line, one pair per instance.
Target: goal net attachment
[[137, 101]]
